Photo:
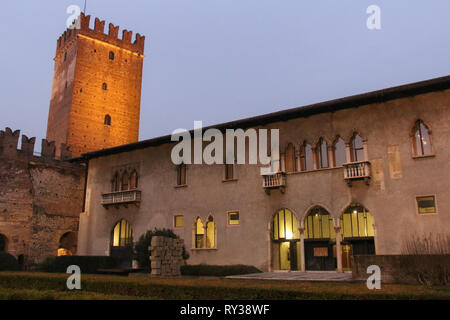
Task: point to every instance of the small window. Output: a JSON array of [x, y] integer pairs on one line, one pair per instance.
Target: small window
[[111, 55], [210, 233], [322, 153], [107, 120], [426, 204], [181, 174], [178, 221], [233, 218], [104, 86], [65, 86], [357, 148], [422, 139], [229, 171], [339, 152], [199, 234], [65, 56]]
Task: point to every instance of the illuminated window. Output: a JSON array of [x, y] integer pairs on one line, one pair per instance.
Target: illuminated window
[[233, 218], [306, 157], [319, 224], [199, 233], [356, 222], [339, 152], [422, 139], [426, 204], [210, 233], [322, 154], [107, 121], [111, 55], [181, 174], [357, 148], [105, 86], [122, 234], [63, 252], [285, 226], [178, 221]]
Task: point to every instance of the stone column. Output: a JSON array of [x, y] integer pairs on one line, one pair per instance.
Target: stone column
[[205, 234], [302, 249], [297, 161], [338, 248], [282, 162], [348, 152], [331, 159]]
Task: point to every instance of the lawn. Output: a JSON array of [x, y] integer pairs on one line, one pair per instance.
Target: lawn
[[18, 285]]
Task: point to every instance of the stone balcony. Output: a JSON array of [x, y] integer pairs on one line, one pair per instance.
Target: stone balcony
[[274, 181], [354, 171], [121, 198]]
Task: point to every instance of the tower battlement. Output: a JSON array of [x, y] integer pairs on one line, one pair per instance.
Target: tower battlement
[[9, 148], [98, 33]]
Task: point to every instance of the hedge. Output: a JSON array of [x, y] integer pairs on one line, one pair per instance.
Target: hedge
[[87, 264], [217, 271], [8, 262]]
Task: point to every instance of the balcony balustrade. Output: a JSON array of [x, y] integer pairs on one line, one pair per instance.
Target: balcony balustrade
[[357, 171], [121, 197]]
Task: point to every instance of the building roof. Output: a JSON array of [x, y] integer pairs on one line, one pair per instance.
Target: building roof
[[354, 101]]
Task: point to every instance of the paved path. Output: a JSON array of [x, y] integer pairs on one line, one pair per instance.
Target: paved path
[[297, 276]]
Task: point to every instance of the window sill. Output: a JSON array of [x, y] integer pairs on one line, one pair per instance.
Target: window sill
[[180, 186], [229, 180], [426, 214], [424, 156]]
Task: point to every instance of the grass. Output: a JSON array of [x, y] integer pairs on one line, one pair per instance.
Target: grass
[[15, 285]]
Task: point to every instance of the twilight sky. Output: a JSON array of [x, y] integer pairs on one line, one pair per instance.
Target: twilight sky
[[221, 60]]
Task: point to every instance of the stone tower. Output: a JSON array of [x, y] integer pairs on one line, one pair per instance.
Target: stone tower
[[96, 92]]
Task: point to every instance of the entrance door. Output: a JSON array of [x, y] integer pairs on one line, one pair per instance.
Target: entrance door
[[319, 255], [293, 255], [289, 255]]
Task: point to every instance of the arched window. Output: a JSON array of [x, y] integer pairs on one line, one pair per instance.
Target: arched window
[[285, 226], [356, 222], [422, 139], [105, 86], [125, 182], [181, 174], [319, 224], [199, 233], [357, 148], [210, 233], [134, 180], [122, 235], [111, 55], [67, 244], [115, 183], [306, 157], [322, 154], [290, 158], [2, 243], [107, 120], [339, 152]]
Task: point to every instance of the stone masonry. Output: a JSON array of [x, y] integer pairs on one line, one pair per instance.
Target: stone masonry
[[166, 256], [40, 199]]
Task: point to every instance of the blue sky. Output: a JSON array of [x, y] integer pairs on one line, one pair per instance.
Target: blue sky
[[221, 60]]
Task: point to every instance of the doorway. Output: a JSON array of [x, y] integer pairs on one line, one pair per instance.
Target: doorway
[[285, 241]]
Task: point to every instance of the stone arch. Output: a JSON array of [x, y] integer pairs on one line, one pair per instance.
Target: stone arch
[[67, 244], [121, 244]]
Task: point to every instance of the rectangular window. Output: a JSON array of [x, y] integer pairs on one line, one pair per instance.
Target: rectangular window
[[178, 221], [229, 171], [181, 175], [233, 218], [426, 204]]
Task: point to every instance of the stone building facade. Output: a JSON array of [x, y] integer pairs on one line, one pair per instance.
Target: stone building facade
[[40, 199], [359, 175], [96, 92]]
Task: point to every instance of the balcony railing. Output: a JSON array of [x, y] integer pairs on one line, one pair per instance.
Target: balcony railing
[[121, 197], [274, 181], [357, 171]]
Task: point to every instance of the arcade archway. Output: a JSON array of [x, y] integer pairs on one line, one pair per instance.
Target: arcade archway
[[285, 241], [122, 243]]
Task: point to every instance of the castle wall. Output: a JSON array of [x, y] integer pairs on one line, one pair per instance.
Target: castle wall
[[40, 199], [397, 178]]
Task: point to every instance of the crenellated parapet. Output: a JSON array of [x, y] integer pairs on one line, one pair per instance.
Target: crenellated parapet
[[98, 33], [9, 148]]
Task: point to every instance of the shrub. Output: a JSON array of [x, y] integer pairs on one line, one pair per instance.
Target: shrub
[[217, 271], [87, 264], [427, 259], [8, 262], [142, 254]]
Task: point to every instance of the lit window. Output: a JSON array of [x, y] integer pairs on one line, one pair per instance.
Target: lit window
[[210, 233], [285, 226], [422, 140], [199, 234], [111, 55], [178, 221], [233, 218], [319, 224], [426, 204], [122, 235]]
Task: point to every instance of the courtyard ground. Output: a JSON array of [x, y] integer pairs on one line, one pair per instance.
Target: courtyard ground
[[19, 285]]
